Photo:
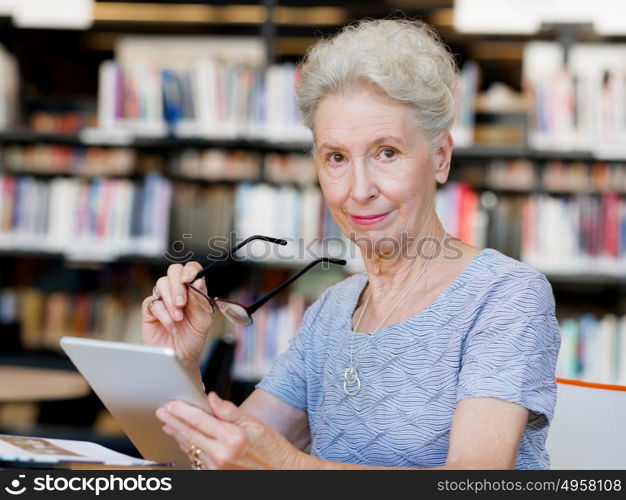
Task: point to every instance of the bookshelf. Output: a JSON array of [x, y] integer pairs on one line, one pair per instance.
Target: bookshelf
[[476, 151], [187, 151]]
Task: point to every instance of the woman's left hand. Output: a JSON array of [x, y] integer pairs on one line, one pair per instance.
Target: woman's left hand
[[228, 439]]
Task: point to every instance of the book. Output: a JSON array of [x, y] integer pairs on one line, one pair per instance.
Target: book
[[259, 344], [293, 167], [91, 220], [28, 451], [592, 348], [199, 213], [465, 97], [514, 175], [205, 87], [299, 216], [561, 217], [59, 159], [45, 316], [110, 309], [582, 233], [458, 207], [578, 106], [9, 84], [216, 164]]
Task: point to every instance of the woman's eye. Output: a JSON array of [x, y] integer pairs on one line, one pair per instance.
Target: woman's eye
[[335, 158], [388, 153]]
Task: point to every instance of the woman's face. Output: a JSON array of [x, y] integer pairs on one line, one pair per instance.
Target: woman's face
[[377, 171]]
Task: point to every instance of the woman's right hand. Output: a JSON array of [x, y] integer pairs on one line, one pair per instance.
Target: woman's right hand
[[181, 318]]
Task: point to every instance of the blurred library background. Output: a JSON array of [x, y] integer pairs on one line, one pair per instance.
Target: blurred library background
[[131, 133]]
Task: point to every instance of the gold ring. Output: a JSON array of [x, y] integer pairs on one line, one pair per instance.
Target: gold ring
[[151, 303], [195, 451]]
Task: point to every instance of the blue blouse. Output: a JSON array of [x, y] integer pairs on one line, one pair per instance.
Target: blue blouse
[[491, 333]]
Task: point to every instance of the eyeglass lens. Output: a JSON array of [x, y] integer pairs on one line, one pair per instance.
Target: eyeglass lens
[[234, 312]]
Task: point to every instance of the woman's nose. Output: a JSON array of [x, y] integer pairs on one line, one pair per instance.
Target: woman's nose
[[363, 182]]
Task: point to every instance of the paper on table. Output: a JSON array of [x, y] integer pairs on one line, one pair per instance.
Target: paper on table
[[35, 449]]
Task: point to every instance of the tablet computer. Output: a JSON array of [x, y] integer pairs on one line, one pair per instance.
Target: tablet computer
[[133, 381]]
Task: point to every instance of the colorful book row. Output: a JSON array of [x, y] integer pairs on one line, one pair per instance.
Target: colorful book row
[[593, 349], [581, 106], [209, 98], [99, 219], [58, 159]]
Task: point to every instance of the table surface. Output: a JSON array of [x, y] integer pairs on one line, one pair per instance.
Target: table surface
[[24, 383]]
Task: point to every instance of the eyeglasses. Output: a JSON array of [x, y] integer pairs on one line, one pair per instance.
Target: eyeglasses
[[238, 313]]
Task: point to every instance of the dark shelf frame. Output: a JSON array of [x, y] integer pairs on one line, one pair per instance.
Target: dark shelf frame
[[559, 280], [25, 136]]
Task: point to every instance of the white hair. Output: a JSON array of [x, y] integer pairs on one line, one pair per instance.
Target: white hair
[[404, 59]]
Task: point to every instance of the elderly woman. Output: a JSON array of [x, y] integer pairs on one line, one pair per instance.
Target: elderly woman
[[440, 355]]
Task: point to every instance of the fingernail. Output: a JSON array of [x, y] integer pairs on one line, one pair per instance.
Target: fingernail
[[180, 300], [167, 429], [160, 412], [178, 315]]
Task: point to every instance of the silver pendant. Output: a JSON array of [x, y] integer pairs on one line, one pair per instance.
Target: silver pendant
[[351, 381]]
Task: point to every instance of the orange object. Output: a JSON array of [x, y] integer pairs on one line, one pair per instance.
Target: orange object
[[592, 385]]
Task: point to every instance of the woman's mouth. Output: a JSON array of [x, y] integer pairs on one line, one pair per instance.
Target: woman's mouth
[[367, 220]]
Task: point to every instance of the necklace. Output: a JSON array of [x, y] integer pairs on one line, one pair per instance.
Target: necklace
[[351, 380]]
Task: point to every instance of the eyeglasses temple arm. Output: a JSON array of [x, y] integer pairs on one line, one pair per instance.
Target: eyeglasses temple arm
[[264, 299], [277, 241], [205, 269]]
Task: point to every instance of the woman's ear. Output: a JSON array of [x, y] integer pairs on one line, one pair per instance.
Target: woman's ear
[[443, 158]]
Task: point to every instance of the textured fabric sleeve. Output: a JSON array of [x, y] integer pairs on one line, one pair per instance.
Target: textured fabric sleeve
[[511, 351], [287, 377]]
